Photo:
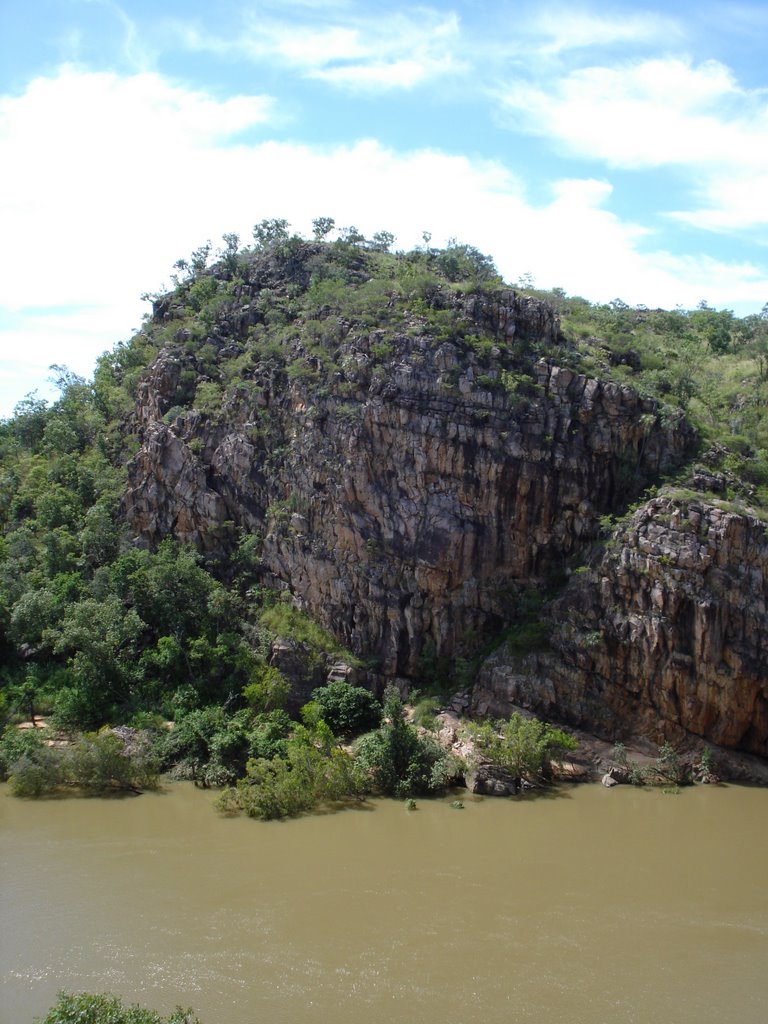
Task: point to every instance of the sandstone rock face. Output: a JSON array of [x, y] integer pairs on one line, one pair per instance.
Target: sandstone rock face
[[404, 504], [667, 635], [172, 498]]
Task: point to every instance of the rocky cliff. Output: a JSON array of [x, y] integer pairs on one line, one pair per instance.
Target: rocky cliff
[[405, 505], [666, 635], [415, 464]]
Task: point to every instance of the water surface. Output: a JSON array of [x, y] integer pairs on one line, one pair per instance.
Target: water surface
[[586, 907]]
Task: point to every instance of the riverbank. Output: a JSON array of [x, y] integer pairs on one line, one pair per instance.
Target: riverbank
[[594, 757]]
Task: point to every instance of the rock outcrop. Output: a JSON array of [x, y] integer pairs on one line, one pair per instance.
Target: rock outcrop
[[667, 635], [407, 485], [407, 501]]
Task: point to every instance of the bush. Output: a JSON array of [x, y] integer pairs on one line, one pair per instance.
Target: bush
[[95, 763], [523, 746], [207, 746], [268, 688], [425, 713], [315, 771], [268, 735], [85, 1008], [36, 773], [18, 743], [348, 710], [399, 761], [99, 762], [189, 742]]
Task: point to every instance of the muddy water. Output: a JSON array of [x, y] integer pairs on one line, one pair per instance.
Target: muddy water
[[591, 906]]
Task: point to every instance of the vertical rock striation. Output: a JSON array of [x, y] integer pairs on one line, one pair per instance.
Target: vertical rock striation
[[405, 502], [667, 635]]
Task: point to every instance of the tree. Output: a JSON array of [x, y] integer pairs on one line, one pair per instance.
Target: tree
[[314, 771], [461, 262], [101, 640], [322, 227], [523, 746], [199, 259], [348, 710], [94, 763], [382, 241], [269, 232], [399, 761], [100, 762], [228, 254], [268, 688], [85, 1008]]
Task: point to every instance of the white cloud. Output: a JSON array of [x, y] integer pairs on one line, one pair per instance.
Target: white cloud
[[108, 180], [347, 49], [662, 113], [652, 113], [561, 28], [94, 168], [75, 337], [381, 75], [733, 201]]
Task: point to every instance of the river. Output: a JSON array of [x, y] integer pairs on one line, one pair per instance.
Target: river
[[589, 906]]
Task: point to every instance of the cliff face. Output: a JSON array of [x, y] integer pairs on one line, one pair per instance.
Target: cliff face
[[667, 635], [405, 502], [410, 484]]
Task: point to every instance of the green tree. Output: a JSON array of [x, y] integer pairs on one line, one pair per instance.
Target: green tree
[[523, 746], [314, 771], [348, 710], [399, 761], [322, 227], [86, 1008], [268, 688], [101, 640], [270, 232], [100, 762]]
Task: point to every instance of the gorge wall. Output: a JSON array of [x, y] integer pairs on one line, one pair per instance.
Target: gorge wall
[[666, 635], [409, 495], [404, 506]]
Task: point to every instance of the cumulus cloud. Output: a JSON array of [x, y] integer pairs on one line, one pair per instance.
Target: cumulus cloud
[[650, 113], [109, 179], [661, 113]]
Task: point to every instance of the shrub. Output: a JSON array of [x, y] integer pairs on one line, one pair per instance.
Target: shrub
[[36, 773], [268, 688], [95, 763], [523, 746], [348, 710], [670, 767], [85, 1008], [18, 743], [425, 713], [315, 771], [268, 736], [207, 746], [399, 761], [98, 762]]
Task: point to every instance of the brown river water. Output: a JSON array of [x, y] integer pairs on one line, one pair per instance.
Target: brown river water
[[587, 907]]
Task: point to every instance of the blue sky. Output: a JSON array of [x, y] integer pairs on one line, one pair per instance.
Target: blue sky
[[616, 150]]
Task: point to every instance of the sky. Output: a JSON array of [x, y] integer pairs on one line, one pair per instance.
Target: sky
[[616, 150]]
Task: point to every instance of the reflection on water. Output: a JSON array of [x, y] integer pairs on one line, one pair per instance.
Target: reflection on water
[[595, 906]]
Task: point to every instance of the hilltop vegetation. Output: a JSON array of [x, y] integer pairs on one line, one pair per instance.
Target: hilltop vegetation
[[96, 630]]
